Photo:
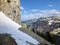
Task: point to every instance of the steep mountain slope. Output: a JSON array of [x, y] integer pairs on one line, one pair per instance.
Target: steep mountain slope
[[35, 36], [10, 27]]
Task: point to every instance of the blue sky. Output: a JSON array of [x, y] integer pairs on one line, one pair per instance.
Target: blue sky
[[31, 9]]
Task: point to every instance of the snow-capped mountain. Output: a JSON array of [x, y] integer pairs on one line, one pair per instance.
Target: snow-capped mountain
[[10, 27]]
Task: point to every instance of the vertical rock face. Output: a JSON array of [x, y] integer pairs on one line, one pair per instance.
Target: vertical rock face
[[11, 9]]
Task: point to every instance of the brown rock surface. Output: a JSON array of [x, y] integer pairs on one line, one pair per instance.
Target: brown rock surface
[[11, 9], [6, 39]]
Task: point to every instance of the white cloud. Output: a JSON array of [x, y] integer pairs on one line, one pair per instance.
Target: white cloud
[[25, 12], [21, 7], [34, 10], [50, 12], [50, 5], [31, 16], [42, 13]]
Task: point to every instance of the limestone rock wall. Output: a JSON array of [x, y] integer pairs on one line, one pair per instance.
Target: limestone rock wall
[[11, 8]]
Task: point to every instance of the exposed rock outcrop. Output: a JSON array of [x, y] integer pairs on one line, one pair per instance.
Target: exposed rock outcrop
[[6, 39], [11, 9]]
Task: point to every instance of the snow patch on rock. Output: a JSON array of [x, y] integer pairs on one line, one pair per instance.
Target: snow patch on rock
[[10, 27]]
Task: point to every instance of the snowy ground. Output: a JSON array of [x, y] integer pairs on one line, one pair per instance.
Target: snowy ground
[[11, 27]]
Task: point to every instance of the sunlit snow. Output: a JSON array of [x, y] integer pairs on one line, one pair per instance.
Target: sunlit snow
[[10, 27]]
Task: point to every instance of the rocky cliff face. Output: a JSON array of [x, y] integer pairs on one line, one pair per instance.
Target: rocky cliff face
[[11, 9]]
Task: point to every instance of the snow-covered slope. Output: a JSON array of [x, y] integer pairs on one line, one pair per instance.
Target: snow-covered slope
[[11, 27]]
